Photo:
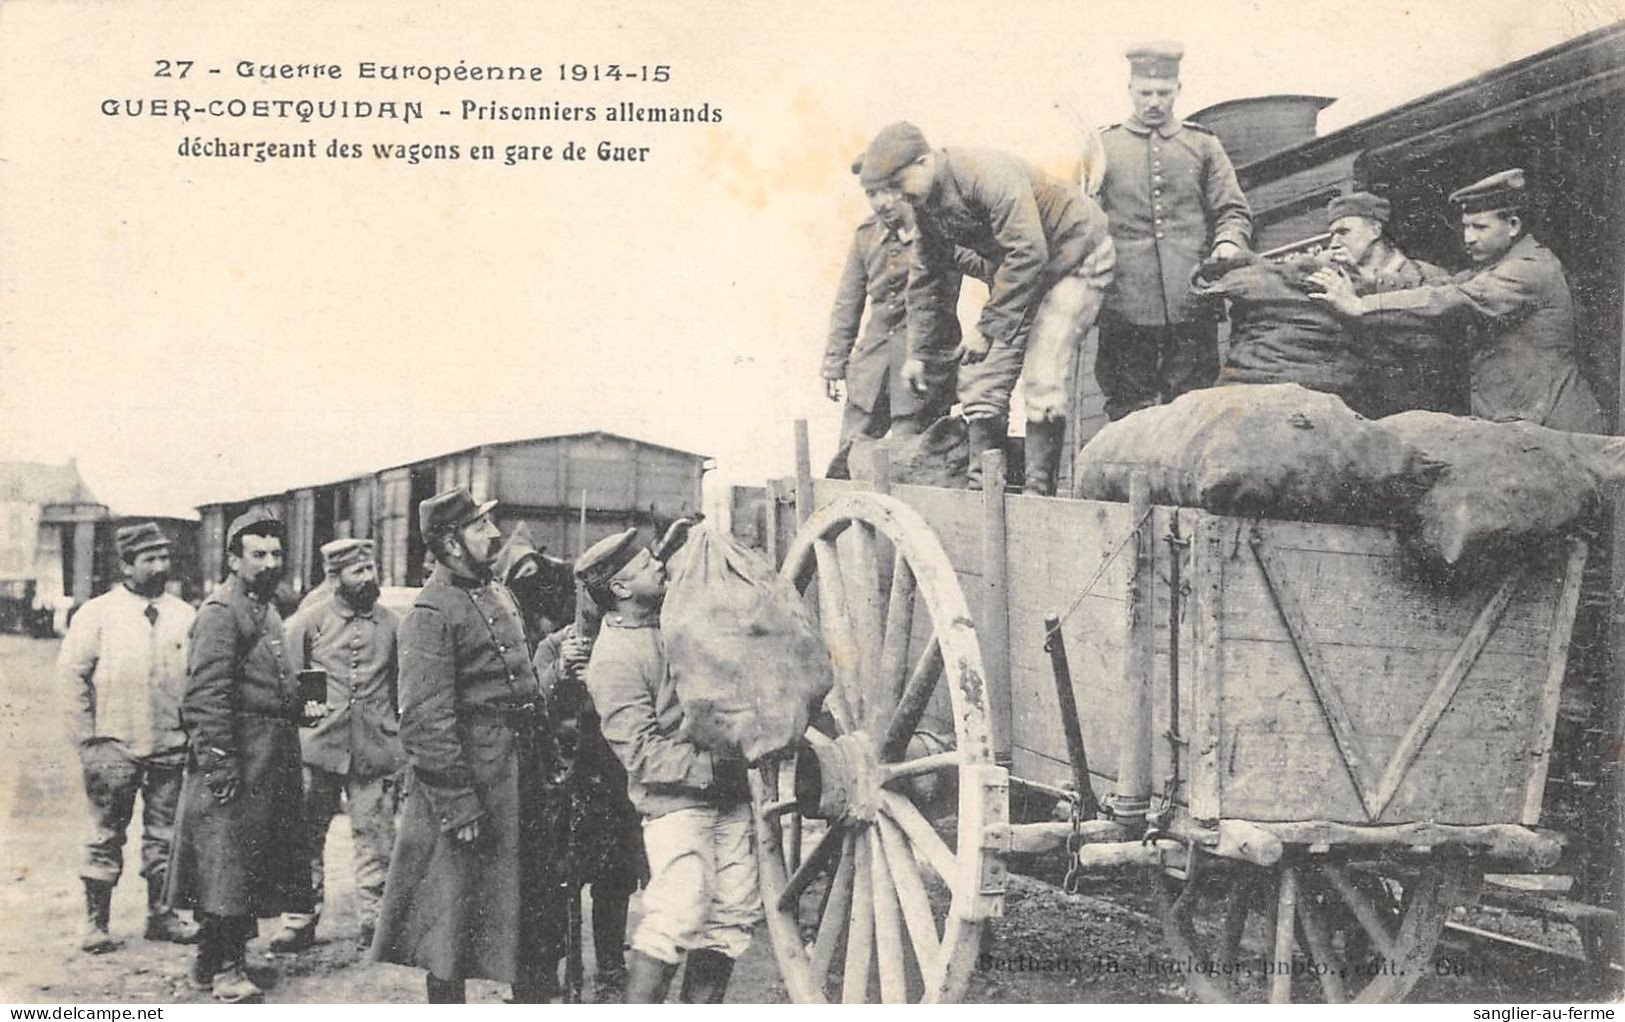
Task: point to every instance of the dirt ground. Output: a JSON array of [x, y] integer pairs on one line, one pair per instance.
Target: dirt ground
[[1103, 944]]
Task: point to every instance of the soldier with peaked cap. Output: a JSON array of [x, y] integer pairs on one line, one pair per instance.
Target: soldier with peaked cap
[[867, 370], [353, 752], [239, 843], [702, 897], [122, 672], [468, 882], [1514, 306], [1408, 361], [1050, 256], [1172, 198]]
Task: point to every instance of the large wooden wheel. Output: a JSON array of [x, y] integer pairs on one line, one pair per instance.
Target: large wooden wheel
[[893, 794], [1343, 935]]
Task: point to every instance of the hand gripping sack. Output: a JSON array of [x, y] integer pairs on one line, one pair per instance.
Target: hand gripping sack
[[746, 656]]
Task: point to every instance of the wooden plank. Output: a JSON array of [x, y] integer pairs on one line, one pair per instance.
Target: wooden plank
[[1449, 683], [1557, 662], [1356, 761], [993, 623], [1205, 792]]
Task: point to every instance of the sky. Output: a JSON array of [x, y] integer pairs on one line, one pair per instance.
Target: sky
[[197, 329]]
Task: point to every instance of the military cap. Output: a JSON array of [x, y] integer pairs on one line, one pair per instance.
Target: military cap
[[1155, 60], [1498, 191], [133, 539], [452, 509], [605, 558], [894, 148], [256, 521], [344, 552], [1365, 204]]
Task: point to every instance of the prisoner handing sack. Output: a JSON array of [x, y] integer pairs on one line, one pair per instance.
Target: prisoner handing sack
[[1268, 450], [747, 659]]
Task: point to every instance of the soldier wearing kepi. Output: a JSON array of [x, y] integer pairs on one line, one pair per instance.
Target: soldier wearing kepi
[[470, 876], [1514, 304], [702, 895], [239, 843], [1050, 258], [1407, 365], [355, 750], [122, 668], [1172, 198]]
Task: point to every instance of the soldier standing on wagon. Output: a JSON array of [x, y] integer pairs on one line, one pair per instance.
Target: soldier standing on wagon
[[354, 752], [1172, 198], [702, 895], [1514, 304], [469, 880], [239, 850], [868, 370], [1051, 259], [123, 669]]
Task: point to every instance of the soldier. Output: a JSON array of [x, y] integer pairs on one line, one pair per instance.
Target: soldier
[[1514, 304], [868, 372], [702, 894], [469, 880], [1050, 257], [1172, 199], [1407, 364], [239, 847], [123, 668], [355, 750]]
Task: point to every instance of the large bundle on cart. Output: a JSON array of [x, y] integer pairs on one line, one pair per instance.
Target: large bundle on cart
[[746, 657], [936, 457], [1503, 485], [1271, 450], [1278, 333]]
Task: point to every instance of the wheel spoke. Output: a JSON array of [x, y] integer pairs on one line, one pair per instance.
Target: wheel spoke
[[922, 683], [823, 853], [911, 894], [1286, 911], [833, 922], [922, 837], [860, 939], [1365, 913], [888, 925], [893, 673], [924, 765], [1328, 968], [861, 575], [1237, 906], [835, 617]]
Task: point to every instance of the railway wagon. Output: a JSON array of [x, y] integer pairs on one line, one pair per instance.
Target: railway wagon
[[1314, 753]]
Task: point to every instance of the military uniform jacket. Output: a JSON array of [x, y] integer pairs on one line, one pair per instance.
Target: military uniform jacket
[[876, 275], [1170, 195], [240, 711], [1519, 321], [361, 733], [1030, 228]]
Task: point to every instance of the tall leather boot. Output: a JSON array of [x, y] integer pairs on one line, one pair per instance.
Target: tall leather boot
[[647, 979], [1043, 461], [98, 906], [705, 978], [984, 435], [609, 935], [444, 991], [162, 922]]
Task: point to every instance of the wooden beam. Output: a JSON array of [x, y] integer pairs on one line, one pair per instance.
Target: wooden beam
[[1132, 798], [1539, 849], [1557, 662], [993, 630]]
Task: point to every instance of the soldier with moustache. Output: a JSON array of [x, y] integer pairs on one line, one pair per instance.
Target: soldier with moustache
[[469, 880]]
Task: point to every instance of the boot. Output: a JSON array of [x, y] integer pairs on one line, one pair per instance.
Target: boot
[[444, 991], [293, 937], [1044, 441], [98, 906], [609, 936], [705, 979], [162, 922], [232, 986], [984, 435], [647, 979]]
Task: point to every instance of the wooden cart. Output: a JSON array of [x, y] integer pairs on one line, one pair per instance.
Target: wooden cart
[[1315, 754]]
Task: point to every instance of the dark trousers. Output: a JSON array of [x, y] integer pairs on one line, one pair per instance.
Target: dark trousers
[[1139, 366], [221, 942], [113, 777]]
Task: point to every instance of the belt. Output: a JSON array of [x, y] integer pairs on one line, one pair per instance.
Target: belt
[[272, 717], [520, 717]]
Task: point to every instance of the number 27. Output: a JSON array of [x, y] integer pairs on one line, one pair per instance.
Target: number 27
[[164, 68]]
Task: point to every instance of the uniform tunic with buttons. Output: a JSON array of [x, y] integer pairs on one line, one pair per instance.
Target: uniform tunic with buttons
[[479, 748], [359, 735], [1170, 195], [241, 709]]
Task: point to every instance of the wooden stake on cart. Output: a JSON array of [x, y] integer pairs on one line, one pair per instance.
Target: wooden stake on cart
[[993, 630], [1132, 799]]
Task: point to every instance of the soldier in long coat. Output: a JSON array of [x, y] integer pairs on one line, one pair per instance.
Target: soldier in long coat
[[239, 851], [468, 883]]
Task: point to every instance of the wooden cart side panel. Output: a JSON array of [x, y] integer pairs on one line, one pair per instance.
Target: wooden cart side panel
[[1544, 725], [1383, 639]]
